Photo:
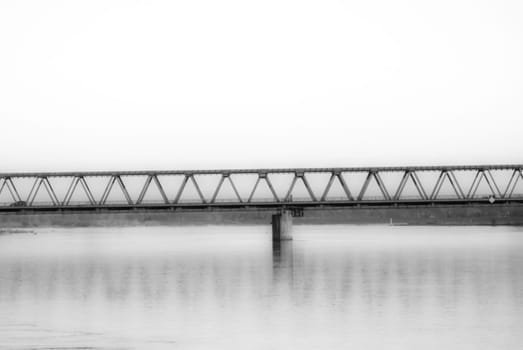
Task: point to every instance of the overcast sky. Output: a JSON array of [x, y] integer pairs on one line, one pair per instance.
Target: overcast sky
[[216, 84]]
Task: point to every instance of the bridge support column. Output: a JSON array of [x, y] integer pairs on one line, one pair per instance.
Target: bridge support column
[[282, 226]]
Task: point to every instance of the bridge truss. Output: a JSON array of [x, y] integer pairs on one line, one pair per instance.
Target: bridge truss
[[302, 188]]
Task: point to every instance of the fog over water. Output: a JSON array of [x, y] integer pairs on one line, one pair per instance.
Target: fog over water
[[228, 287]]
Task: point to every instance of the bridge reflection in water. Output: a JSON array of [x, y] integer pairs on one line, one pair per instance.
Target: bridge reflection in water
[[331, 286]]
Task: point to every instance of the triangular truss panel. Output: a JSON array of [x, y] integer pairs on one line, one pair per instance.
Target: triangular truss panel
[[428, 180], [226, 191], [410, 188], [152, 192], [465, 179], [23, 186], [245, 183], [501, 179], [336, 189], [8, 192], [318, 182], [171, 185], [42, 193], [391, 181], [78, 191], [190, 191], [447, 187], [373, 188], [483, 186], [60, 185], [299, 190], [134, 185], [96, 185], [208, 184], [354, 181], [515, 185], [116, 192], [263, 191], [281, 183]]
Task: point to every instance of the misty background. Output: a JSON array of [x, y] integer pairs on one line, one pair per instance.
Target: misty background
[[89, 85]]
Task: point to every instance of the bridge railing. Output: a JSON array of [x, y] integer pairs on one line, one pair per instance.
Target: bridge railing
[[263, 186]]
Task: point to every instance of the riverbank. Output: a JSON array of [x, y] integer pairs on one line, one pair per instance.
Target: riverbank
[[496, 214]]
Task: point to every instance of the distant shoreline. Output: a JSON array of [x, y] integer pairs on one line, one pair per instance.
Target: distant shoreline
[[12, 231], [503, 214]]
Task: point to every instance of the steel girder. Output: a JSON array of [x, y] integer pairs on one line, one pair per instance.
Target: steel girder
[[335, 176]]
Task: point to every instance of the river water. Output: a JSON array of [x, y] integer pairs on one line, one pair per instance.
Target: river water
[[228, 287]]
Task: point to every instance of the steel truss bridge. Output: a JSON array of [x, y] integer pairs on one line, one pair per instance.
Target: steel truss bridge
[[481, 184]]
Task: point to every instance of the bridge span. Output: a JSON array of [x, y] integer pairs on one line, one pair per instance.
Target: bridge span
[[287, 192]]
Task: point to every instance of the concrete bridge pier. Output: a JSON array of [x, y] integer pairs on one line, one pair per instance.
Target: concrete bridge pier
[[282, 226]]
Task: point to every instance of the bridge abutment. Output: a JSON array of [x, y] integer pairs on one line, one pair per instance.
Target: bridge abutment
[[282, 226]]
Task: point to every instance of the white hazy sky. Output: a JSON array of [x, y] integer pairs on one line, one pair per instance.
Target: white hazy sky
[[215, 84]]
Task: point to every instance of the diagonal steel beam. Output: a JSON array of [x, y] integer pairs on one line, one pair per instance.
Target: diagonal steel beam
[[235, 189], [34, 190], [70, 190], [263, 176], [437, 186], [365, 185], [107, 190], [14, 194], [160, 188], [401, 185], [415, 180], [511, 186], [145, 187], [254, 190], [493, 185], [480, 175], [12, 189], [289, 192], [198, 189], [345, 186], [222, 179], [514, 177], [418, 184], [336, 176], [455, 184], [2, 186], [180, 190], [474, 185], [87, 190], [271, 187], [50, 191], [124, 190], [308, 187], [36, 187], [328, 187], [381, 185]]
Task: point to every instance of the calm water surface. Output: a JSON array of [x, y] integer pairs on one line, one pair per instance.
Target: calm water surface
[[333, 287]]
